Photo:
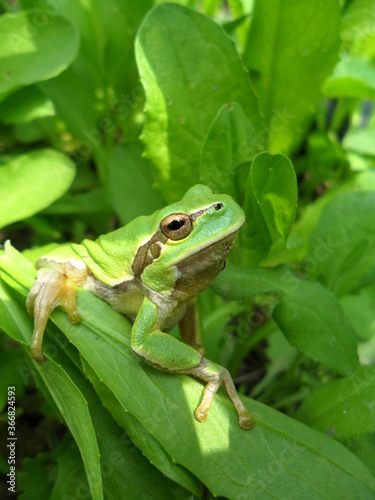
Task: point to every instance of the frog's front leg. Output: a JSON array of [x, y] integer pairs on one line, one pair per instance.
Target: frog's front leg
[[168, 354], [53, 288]]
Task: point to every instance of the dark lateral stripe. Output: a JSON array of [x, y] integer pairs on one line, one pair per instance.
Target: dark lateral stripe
[[143, 257]]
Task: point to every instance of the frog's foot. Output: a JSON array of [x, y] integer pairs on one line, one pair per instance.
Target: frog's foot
[[214, 375], [52, 289]]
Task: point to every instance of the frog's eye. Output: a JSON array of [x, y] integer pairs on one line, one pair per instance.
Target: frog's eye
[[176, 226]]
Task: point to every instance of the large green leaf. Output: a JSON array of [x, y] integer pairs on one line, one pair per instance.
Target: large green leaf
[[34, 48], [308, 314], [311, 214], [83, 16], [199, 72], [352, 77], [63, 391], [107, 29], [165, 405], [270, 204], [106, 67], [31, 182], [344, 408], [122, 464], [143, 439], [280, 457], [127, 170], [292, 48], [341, 248], [227, 151]]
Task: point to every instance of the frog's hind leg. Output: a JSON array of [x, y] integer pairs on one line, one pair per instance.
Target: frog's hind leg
[[190, 329], [51, 290], [168, 354], [214, 375]]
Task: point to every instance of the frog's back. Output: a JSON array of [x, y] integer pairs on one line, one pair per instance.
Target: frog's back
[[111, 256]]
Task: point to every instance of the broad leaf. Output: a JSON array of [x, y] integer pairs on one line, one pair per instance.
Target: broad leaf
[[143, 439], [308, 314], [199, 72], [352, 77], [35, 47], [310, 216], [165, 405], [341, 248], [106, 64], [122, 463], [270, 204], [130, 175], [66, 395], [267, 462], [83, 412], [227, 151], [344, 408], [292, 48], [31, 182]]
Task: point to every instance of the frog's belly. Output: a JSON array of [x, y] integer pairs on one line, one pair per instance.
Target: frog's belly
[[126, 303], [126, 298]]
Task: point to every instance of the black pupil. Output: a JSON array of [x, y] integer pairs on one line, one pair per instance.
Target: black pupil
[[176, 224], [218, 206]]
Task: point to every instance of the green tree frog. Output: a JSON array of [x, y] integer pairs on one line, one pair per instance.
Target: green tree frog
[[151, 270]]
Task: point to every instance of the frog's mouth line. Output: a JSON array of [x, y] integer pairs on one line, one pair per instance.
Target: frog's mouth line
[[231, 236]]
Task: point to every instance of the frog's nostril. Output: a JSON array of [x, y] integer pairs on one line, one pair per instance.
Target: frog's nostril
[[219, 206]]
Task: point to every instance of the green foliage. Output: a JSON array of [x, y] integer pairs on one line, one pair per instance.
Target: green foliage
[[291, 49], [112, 109], [50, 174], [28, 54], [163, 407], [308, 314], [270, 204], [184, 92], [335, 406]]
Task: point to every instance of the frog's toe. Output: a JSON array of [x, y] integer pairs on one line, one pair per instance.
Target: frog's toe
[[74, 317], [246, 421], [37, 354]]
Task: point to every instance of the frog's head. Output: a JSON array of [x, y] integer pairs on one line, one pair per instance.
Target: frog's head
[[191, 243]]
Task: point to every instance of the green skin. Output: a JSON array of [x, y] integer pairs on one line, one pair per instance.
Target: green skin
[[151, 270]]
